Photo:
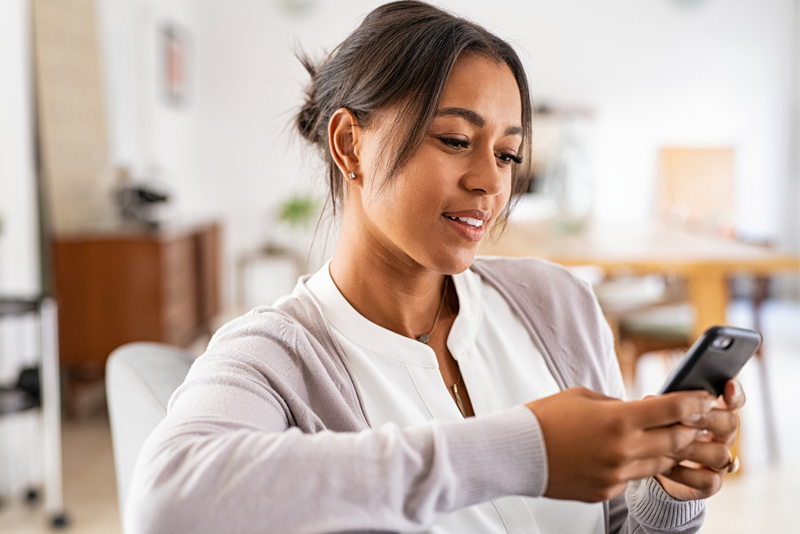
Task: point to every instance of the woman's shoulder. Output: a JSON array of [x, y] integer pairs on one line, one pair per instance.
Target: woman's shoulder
[[292, 325], [540, 290], [562, 315], [260, 324], [528, 273], [287, 350]]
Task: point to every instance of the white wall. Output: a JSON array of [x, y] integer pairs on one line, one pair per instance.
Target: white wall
[[19, 254], [147, 133], [789, 238], [249, 87], [654, 72], [791, 235]]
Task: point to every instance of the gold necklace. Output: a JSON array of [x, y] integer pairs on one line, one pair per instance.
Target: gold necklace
[[459, 402], [425, 338]]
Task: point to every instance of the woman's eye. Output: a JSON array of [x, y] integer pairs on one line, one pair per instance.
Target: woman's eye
[[509, 158], [454, 142]]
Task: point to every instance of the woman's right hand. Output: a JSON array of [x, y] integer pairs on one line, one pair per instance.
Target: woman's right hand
[[596, 444]]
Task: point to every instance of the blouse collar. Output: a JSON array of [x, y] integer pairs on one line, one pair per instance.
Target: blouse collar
[[361, 331]]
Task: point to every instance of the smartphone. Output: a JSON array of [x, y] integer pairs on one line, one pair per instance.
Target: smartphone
[[717, 356]]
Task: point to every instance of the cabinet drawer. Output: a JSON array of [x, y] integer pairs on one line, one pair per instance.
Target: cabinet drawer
[[178, 290], [178, 259], [178, 323]]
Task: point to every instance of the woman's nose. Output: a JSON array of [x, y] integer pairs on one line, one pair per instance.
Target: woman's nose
[[485, 176]]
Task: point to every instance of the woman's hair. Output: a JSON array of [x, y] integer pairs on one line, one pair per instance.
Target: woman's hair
[[401, 56]]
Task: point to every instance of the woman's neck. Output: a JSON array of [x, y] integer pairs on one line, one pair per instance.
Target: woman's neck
[[395, 293]]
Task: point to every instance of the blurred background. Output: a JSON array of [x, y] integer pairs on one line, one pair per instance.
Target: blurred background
[[151, 181]]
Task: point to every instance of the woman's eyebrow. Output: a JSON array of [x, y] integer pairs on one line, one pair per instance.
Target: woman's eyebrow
[[465, 114], [474, 118]]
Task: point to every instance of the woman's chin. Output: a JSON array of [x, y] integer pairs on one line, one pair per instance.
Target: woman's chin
[[452, 261]]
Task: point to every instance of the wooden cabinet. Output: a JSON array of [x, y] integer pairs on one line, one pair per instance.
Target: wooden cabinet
[[114, 288]]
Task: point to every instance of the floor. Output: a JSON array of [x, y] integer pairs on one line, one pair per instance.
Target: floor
[[90, 493], [765, 498]]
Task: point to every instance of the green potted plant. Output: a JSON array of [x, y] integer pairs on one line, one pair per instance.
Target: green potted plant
[[298, 211]]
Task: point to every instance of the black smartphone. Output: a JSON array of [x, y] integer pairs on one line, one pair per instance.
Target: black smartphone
[[716, 357]]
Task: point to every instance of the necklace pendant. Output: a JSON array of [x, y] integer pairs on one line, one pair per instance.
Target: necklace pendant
[[459, 402], [423, 338]]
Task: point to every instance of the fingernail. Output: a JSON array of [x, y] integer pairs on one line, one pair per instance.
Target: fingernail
[[737, 391], [694, 418], [709, 405]]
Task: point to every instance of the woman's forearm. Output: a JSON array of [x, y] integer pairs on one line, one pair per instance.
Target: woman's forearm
[[215, 472]]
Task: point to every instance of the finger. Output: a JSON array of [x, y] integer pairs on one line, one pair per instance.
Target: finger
[[670, 408], [727, 438], [648, 467], [712, 455], [734, 394], [722, 423], [705, 481], [705, 436], [668, 440]]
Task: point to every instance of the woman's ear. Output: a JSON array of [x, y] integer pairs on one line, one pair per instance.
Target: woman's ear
[[344, 136]]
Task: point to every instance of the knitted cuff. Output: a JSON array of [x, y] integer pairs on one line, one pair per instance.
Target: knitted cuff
[[654, 508], [497, 455]]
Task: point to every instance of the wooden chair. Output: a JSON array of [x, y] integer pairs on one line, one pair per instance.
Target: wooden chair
[[696, 189]]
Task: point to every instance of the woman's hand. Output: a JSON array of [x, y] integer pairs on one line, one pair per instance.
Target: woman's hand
[[596, 444], [704, 462]]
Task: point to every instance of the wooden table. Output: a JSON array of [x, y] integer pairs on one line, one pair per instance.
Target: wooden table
[[641, 248]]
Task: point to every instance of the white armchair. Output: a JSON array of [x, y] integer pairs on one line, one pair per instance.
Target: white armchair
[[140, 379]]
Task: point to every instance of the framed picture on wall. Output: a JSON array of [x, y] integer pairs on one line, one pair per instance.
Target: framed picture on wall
[[174, 61]]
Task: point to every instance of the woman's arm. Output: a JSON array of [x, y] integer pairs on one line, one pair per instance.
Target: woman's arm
[[226, 460]]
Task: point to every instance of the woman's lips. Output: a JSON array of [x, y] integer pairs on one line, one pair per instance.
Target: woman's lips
[[461, 224], [469, 214]]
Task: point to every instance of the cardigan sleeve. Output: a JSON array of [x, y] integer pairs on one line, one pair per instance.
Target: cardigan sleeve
[[227, 459], [651, 510]]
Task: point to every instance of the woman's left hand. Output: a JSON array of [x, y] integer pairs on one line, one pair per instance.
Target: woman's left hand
[[704, 462]]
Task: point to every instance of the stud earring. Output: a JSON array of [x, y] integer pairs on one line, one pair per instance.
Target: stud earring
[[352, 175]]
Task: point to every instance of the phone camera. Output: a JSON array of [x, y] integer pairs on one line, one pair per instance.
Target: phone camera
[[722, 342]]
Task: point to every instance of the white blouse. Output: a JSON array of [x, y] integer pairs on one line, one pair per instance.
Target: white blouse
[[399, 381]]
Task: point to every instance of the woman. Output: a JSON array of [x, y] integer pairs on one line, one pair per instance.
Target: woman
[[349, 405]]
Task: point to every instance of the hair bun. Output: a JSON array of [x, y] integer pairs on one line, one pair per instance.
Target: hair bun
[[308, 118]]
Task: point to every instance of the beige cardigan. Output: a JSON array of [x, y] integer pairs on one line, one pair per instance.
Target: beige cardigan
[[268, 433]]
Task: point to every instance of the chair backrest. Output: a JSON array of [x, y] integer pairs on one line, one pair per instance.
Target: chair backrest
[[696, 188], [140, 379]]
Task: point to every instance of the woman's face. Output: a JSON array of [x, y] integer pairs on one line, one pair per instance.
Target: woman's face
[[446, 198]]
